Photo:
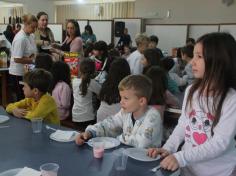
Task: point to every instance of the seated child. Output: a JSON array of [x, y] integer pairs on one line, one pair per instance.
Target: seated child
[[61, 88], [136, 124], [37, 102]]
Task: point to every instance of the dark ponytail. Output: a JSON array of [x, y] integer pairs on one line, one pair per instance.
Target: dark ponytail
[[87, 70]]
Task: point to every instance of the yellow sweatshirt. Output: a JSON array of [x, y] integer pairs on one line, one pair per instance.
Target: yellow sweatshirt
[[44, 108]]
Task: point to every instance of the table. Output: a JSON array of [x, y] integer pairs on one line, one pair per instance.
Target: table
[[19, 147], [3, 75]]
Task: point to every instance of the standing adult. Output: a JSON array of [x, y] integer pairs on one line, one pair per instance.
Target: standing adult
[[88, 36], [125, 39], [72, 42], [23, 52], [43, 34]]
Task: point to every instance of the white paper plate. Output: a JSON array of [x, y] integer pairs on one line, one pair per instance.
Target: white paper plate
[[52, 136], [109, 142], [3, 118], [140, 154], [11, 172]]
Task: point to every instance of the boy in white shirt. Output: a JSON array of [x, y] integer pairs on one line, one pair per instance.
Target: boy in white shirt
[[136, 124], [134, 60]]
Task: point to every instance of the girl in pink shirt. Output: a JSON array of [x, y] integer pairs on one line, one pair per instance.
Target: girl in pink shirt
[[61, 90]]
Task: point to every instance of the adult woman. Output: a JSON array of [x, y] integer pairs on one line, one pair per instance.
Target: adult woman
[[43, 34], [72, 42], [88, 36], [23, 52]]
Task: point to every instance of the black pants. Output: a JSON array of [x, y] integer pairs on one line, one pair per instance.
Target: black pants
[[17, 87]]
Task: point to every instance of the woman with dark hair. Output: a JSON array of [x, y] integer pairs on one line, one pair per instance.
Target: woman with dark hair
[[43, 34], [88, 36], [109, 95], [72, 42]]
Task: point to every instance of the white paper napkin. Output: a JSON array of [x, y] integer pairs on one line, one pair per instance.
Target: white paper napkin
[[29, 172], [63, 135]]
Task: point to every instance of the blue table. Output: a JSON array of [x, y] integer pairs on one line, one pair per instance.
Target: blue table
[[19, 147]]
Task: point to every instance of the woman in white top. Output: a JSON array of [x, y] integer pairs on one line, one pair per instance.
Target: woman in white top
[[23, 52], [83, 89], [109, 95]]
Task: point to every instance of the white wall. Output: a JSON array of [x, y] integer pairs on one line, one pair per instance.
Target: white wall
[[34, 6], [186, 11]]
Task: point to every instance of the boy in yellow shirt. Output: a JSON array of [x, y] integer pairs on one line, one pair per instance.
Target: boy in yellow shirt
[[37, 103]]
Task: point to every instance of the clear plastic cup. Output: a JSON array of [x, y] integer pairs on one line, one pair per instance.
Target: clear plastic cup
[[36, 125], [49, 169], [98, 148], [120, 161]]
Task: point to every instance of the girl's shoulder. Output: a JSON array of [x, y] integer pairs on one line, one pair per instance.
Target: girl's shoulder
[[231, 95], [62, 84]]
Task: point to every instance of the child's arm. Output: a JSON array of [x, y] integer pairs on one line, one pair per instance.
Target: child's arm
[[94, 87], [222, 140], [111, 126], [45, 106], [177, 136], [22, 104], [65, 93]]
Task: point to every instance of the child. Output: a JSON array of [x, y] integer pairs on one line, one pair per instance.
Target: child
[[44, 60], [161, 97], [134, 59], [100, 56], [61, 90], [126, 51], [207, 125], [135, 124], [150, 58], [83, 89], [109, 95], [153, 44], [37, 102], [187, 55]]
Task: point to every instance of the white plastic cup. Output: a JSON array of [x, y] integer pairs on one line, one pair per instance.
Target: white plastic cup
[[36, 125], [120, 161], [49, 169], [98, 149]]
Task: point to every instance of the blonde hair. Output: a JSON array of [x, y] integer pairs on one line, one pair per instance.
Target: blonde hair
[[140, 38], [141, 84], [28, 19]]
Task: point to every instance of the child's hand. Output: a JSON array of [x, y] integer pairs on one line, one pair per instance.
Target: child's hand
[[153, 152], [82, 137], [19, 112], [170, 163]]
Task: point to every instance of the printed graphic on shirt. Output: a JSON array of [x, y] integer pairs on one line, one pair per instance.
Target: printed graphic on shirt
[[198, 129]]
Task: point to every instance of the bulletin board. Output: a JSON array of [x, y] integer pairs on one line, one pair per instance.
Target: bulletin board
[[230, 28], [82, 24], [170, 36], [3, 27], [57, 31], [196, 31], [102, 29]]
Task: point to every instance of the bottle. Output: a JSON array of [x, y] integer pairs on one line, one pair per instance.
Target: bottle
[[3, 58]]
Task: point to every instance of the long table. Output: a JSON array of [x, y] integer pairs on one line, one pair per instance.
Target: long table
[[19, 147]]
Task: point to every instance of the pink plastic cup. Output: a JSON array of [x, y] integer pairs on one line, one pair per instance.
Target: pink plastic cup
[[98, 149]]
